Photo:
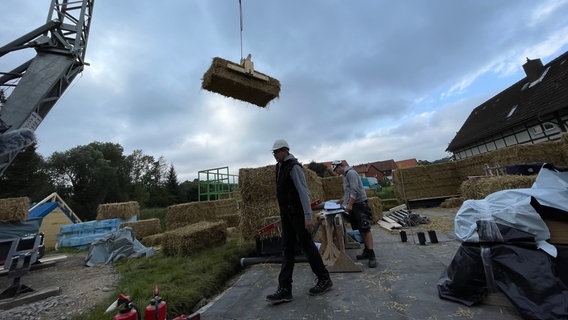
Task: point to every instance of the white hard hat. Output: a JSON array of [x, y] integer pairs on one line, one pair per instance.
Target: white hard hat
[[279, 144], [335, 164]]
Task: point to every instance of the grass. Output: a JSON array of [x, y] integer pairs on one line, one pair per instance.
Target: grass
[[185, 283]]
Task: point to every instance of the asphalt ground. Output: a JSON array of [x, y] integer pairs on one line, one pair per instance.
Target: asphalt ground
[[403, 286]]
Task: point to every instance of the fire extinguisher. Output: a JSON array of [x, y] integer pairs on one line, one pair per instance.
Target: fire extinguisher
[[128, 311], [156, 309]]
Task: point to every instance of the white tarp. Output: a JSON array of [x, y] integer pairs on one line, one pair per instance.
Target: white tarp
[[513, 208]]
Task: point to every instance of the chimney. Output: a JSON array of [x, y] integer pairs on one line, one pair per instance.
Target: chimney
[[533, 69]]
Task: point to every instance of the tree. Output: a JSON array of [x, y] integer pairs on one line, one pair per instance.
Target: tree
[[86, 177], [320, 169], [26, 177], [172, 185]]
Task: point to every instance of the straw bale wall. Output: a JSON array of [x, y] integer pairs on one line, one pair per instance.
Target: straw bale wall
[[193, 238], [14, 209], [180, 215], [422, 182], [258, 192], [122, 210], [143, 228], [445, 180], [332, 187]]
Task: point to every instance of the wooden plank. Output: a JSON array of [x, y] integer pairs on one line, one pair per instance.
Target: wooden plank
[[388, 225], [30, 297], [392, 221]]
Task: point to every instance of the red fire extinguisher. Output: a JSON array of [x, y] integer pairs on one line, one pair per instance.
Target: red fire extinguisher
[[156, 309], [128, 311]]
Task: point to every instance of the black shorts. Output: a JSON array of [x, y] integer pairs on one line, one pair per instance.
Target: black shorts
[[361, 217]]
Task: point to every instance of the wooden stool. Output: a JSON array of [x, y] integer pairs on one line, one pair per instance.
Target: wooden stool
[[332, 248]]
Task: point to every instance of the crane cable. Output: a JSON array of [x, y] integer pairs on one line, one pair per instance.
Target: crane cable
[[241, 21]]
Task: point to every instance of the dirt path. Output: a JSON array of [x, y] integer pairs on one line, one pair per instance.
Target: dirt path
[[82, 288]]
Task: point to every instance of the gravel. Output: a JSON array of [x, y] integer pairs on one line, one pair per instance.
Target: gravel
[[81, 289]]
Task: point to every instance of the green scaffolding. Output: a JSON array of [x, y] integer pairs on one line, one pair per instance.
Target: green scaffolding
[[216, 184]]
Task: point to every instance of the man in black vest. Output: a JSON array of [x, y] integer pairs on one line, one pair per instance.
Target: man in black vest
[[296, 218]]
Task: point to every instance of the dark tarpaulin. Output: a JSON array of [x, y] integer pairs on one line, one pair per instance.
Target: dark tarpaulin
[[526, 275]]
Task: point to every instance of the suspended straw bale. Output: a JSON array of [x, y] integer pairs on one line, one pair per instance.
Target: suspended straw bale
[[143, 228], [153, 240], [258, 192], [122, 210], [376, 207], [14, 209], [180, 215], [480, 188], [238, 85], [332, 187], [195, 237], [422, 182]]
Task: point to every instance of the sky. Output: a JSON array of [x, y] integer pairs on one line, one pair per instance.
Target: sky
[[362, 81]]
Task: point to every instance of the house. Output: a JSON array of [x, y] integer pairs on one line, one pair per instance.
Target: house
[[406, 163], [54, 213], [531, 111], [369, 170], [386, 167]]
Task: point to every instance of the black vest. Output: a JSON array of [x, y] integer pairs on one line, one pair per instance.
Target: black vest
[[288, 198]]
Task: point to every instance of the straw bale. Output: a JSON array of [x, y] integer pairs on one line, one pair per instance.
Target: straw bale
[[153, 240], [422, 182], [480, 188], [143, 228], [122, 210], [332, 187], [258, 192], [376, 207], [14, 209], [180, 215], [195, 237], [231, 219], [454, 202], [237, 85]]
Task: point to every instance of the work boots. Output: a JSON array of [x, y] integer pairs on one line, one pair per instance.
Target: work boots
[[321, 287], [281, 295], [368, 254]]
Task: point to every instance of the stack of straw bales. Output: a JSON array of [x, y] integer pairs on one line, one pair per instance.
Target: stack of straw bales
[[193, 238], [180, 215], [121, 210], [333, 187], [143, 228], [258, 192], [14, 209], [443, 180], [480, 188]]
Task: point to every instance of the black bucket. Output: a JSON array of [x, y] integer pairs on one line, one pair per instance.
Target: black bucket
[[432, 236], [421, 238], [403, 237]]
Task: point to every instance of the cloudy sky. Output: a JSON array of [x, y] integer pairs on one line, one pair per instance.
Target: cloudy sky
[[361, 80]]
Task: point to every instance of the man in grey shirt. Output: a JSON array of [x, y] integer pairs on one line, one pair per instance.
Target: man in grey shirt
[[297, 224], [355, 203]]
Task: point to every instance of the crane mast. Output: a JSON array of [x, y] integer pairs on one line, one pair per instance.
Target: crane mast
[[29, 91]]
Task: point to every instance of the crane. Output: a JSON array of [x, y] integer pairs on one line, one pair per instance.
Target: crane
[[31, 90]]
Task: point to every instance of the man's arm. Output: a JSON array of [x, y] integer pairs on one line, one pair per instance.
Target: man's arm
[[299, 180]]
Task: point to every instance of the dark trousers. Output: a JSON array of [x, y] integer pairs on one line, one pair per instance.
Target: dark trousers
[[294, 232]]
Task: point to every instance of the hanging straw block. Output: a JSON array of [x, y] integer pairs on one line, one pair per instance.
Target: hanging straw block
[[231, 80]]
